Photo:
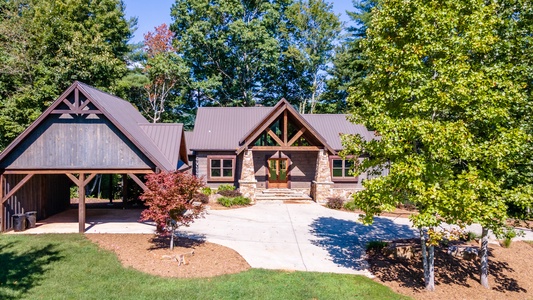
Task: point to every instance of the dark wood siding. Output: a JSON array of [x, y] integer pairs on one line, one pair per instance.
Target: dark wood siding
[[45, 194], [76, 143]]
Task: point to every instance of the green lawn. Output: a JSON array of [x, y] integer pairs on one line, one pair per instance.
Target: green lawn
[[71, 267]]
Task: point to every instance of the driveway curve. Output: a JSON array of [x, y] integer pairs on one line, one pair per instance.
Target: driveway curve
[[303, 236]]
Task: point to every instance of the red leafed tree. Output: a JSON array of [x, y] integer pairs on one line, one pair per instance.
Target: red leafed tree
[[170, 200], [164, 69]]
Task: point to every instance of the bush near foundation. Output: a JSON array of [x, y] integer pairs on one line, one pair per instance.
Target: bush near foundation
[[232, 201], [335, 203], [231, 194]]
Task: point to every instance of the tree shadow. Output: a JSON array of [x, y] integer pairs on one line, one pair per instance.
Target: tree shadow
[[22, 270], [449, 270], [346, 240], [182, 239]]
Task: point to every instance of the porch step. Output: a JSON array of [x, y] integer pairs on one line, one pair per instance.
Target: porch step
[[281, 194]]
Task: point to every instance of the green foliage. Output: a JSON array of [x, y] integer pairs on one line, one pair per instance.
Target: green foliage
[[225, 187], [233, 201], [448, 93], [207, 191], [335, 202], [232, 193], [260, 51], [41, 266], [376, 245], [350, 205], [46, 45], [470, 236]]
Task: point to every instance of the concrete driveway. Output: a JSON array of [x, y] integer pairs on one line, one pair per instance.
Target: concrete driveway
[[306, 237]]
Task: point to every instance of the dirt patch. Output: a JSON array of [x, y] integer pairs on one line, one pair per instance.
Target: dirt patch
[[150, 254], [511, 271]]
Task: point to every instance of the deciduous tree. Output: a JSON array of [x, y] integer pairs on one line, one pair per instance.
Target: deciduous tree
[[46, 45], [450, 109], [170, 200]]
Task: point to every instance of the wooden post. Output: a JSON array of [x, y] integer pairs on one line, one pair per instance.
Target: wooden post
[[124, 190], [2, 214], [81, 203]]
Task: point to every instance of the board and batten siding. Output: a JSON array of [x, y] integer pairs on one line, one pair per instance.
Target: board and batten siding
[[76, 143], [45, 194]]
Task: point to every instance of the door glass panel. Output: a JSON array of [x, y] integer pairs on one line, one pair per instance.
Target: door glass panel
[[282, 170], [272, 170]]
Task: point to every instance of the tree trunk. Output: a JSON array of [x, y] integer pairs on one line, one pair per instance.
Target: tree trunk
[[485, 258], [172, 239], [428, 262]]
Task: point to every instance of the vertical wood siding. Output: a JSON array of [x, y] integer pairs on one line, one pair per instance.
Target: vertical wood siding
[[45, 194], [76, 143]]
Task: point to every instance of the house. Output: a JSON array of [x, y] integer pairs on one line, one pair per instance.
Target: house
[[262, 148], [85, 132]]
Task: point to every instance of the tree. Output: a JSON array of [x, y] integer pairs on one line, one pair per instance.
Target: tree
[[230, 48], [171, 201], [348, 64], [313, 29], [164, 69], [45, 45], [450, 111]]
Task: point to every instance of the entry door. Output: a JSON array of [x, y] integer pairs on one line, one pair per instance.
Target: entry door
[[277, 173]]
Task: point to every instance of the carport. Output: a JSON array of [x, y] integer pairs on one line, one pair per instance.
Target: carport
[[85, 132]]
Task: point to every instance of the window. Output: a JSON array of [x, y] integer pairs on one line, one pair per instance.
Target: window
[[341, 169], [221, 168]]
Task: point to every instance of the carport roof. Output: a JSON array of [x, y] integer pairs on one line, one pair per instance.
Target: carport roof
[[163, 144]]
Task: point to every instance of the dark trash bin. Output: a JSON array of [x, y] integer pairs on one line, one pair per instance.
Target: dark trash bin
[[31, 219], [19, 222]]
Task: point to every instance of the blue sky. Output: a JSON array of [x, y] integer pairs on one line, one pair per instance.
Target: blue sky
[[156, 12]]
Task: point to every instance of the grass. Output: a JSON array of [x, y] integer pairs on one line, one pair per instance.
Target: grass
[[71, 267]]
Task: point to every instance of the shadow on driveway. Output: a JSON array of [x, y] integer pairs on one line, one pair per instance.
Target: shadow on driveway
[[346, 240]]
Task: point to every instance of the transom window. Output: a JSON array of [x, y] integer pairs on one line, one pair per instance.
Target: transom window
[[221, 168], [341, 169]]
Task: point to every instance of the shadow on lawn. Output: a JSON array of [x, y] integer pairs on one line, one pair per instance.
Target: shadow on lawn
[[449, 270], [346, 240], [21, 270]]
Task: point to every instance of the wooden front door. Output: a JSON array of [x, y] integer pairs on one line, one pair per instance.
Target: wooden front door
[[278, 176]]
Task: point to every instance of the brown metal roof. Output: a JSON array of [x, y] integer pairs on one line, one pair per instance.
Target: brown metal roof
[[189, 135], [221, 128], [129, 119], [167, 138], [331, 126], [123, 115]]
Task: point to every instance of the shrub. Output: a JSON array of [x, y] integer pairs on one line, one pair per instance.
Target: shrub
[[508, 235], [232, 194], [207, 191], [350, 205], [231, 201], [376, 245], [201, 197], [225, 187], [335, 202], [470, 236]]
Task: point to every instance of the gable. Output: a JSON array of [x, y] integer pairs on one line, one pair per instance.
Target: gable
[[76, 142], [90, 110], [283, 128]]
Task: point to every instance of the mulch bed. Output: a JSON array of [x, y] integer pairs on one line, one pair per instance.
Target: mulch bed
[[146, 253], [510, 274]]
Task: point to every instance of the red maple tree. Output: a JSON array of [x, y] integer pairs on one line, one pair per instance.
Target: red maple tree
[[170, 198]]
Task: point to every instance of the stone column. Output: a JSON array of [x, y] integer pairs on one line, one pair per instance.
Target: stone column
[[321, 187], [248, 183]]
